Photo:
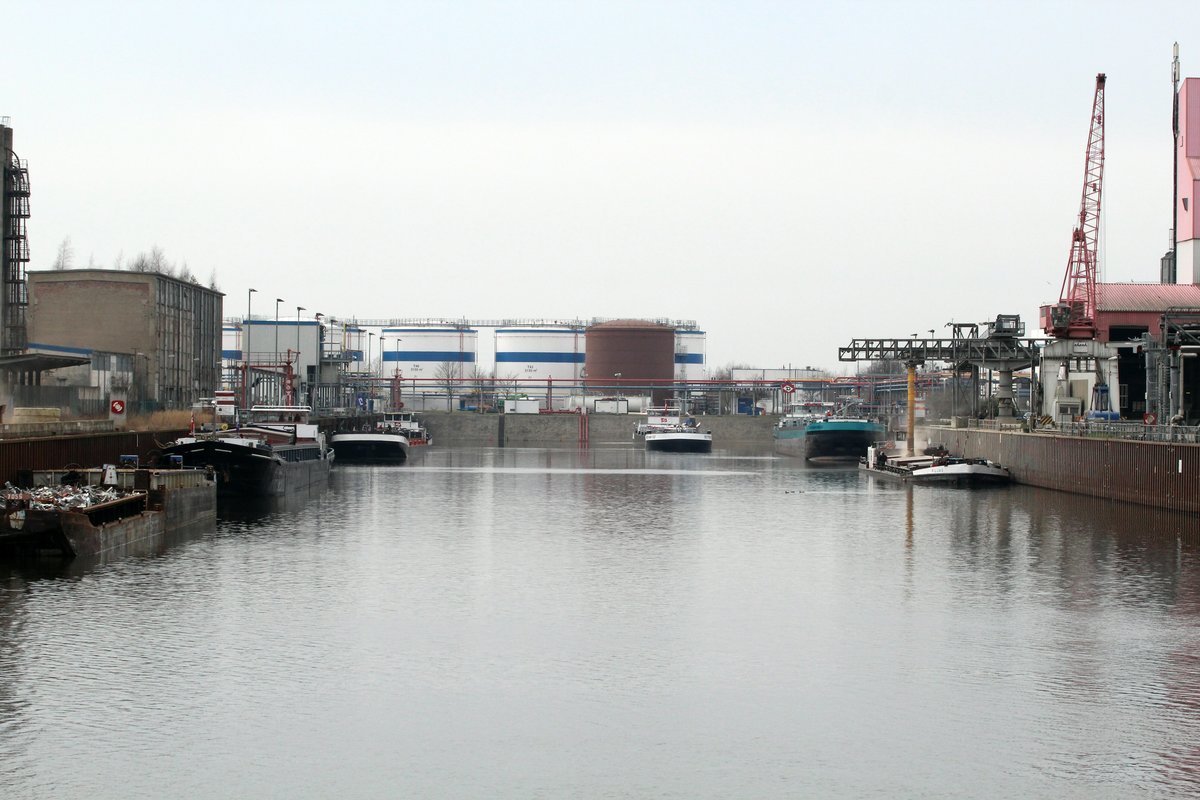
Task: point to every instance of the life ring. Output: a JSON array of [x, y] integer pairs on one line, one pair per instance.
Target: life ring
[[400, 404], [1149, 418], [788, 388]]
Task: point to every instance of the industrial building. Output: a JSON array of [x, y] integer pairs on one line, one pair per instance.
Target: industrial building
[[172, 325], [1120, 350]]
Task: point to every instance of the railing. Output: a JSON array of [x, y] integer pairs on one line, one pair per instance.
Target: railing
[[1091, 429], [1189, 434]]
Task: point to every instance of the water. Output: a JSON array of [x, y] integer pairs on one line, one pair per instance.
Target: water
[[487, 623]]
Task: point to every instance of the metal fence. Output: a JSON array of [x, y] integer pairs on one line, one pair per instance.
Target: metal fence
[[1089, 429]]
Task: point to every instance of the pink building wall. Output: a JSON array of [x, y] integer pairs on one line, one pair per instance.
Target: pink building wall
[[1189, 159], [1187, 235]]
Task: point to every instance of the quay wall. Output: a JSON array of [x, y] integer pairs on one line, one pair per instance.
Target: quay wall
[[516, 430], [78, 450], [1161, 474]]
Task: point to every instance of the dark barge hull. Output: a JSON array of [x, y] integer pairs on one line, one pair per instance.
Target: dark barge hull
[[254, 472], [838, 443], [679, 445], [366, 449]]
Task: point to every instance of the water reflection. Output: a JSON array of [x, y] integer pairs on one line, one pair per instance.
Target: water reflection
[[740, 625]]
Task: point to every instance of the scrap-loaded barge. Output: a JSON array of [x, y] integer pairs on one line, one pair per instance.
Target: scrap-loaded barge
[[103, 512]]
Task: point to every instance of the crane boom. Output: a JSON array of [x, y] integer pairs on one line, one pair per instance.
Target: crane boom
[[1074, 316]]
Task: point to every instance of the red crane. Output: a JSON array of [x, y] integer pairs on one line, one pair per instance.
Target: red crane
[[1074, 315]]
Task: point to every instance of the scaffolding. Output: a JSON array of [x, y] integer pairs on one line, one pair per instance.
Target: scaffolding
[[14, 251]]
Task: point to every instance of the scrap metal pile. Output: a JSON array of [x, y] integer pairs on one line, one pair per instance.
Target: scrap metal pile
[[62, 498]]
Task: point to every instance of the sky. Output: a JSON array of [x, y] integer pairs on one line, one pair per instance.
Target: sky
[[790, 175]]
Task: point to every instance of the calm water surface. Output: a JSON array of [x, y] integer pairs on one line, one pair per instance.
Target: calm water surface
[[609, 623]]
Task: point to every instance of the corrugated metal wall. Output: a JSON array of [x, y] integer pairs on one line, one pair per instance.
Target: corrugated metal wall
[[90, 450], [1157, 474]]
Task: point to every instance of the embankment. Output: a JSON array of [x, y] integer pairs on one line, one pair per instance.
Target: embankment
[[1161, 474], [548, 430]]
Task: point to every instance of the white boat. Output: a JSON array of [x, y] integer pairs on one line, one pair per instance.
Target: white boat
[[406, 423], [370, 446], [941, 469], [388, 442], [668, 430]]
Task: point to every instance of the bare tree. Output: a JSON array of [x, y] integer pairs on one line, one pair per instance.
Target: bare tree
[[450, 372], [66, 255], [159, 263]]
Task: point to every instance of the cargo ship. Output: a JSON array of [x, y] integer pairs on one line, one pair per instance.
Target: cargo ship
[[820, 431], [274, 452], [669, 430]]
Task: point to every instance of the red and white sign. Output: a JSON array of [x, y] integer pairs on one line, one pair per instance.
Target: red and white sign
[[117, 406]]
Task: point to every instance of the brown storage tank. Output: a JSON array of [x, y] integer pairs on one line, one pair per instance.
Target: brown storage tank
[[636, 350]]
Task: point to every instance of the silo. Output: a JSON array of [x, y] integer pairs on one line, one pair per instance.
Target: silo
[[231, 343], [429, 354], [689, 356], [539, 358], [630, 353]]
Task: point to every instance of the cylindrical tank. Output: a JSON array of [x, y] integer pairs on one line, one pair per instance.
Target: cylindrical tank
[[546, 356], [231, 342], [628, 352], [689, 356], [424, 354]]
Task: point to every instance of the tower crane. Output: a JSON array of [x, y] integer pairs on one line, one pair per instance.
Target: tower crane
[[1074, 315]]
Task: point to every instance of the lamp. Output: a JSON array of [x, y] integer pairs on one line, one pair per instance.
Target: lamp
[[298, 310], [275, 360], [246, 329]]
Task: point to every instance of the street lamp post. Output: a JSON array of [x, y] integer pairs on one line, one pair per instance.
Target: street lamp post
[[246, 329], [295, 375], [275, 361], [370, 369]]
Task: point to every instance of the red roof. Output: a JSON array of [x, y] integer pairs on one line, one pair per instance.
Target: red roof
[[1157, 297]]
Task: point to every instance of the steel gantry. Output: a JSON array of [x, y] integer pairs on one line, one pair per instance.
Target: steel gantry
[[999, 351]]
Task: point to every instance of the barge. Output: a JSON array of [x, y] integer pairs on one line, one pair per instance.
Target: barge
[[939, 468], [275, 453], [104, 512]]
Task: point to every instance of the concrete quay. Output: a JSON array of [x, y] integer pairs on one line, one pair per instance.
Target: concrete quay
[[549, 430]]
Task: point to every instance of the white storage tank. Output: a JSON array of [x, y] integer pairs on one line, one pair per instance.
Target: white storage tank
[[425, 355], [538, 358], [689, 356], [231, 343]]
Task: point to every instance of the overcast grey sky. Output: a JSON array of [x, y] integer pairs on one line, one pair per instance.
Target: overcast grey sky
[[791, 175]]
